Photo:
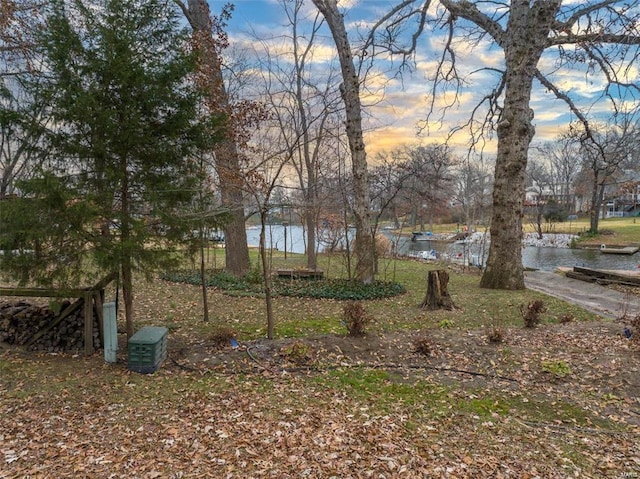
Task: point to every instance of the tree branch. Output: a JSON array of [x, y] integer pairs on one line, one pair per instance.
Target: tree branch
[[616, 39], [421, 11], [467, 10], [567, 25], [565, 98]]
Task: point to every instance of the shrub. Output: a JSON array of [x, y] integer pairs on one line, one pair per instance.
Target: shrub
[[222, 336], [355, 318], [495, 334], [446, 324], [424, 345], [566, 318], [296, 352], [531, 313], [384, 247], [340, 289], [254, 275]]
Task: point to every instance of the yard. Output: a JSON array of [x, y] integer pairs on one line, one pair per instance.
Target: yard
[[466, 393]]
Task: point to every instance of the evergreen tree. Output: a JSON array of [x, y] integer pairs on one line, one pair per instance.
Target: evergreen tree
[[124, 144]]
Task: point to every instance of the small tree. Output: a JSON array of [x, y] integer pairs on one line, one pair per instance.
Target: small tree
[[603, 156], [126, 127]]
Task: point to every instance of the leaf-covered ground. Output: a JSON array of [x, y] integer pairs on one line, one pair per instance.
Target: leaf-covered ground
[[333, 407], [561, 400]]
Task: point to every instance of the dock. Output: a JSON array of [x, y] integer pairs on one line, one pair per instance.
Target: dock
[[624, 250], [604, 276]]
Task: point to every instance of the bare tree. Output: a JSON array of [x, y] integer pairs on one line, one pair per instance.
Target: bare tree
[[539, 180], [21, 114], [209, 39], [20, 20], [595, 32], [430, 184], [350, 90], [564, 164], [472, 190], [262, 181], [604, 153], [302, 99], [22, 126], [388, 179]]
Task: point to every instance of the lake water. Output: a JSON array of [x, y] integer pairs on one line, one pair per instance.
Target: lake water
[[275, 238], [546, 259]]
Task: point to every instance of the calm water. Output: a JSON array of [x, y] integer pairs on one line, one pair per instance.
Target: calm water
[[532, 257], [275, 238], [551, 258]]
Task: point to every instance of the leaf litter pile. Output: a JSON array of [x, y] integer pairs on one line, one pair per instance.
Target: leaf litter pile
[[556, 401]]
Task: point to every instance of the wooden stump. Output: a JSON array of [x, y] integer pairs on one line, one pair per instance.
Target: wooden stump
[[437, 293]]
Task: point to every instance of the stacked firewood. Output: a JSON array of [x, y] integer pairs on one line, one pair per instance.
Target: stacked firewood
[[30, 325]]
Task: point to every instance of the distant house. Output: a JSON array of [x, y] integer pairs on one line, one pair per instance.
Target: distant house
[[537, 195], [622, 198]]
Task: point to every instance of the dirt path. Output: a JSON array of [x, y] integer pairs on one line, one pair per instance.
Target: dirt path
[[593, 297]]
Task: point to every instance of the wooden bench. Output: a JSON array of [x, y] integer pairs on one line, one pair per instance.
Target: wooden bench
[[300, 273]]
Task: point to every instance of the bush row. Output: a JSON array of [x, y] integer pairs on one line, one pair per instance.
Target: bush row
[[340, 289]]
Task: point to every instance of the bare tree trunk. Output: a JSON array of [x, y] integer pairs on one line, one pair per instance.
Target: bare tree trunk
[[311, 208], [504, 266], [127, 294], [236, 248], [266, 274], [203, 278], [539, 209], [312, 257], [522, 52], [350, 89], [596, 205], [125, 265], [227, 161]]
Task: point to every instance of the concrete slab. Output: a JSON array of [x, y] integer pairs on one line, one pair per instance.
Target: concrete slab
[[598, 299]]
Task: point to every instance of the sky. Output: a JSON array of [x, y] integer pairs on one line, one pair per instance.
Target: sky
[[393, 118]]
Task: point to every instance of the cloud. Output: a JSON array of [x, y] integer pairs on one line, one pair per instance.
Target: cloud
[[396, 105]]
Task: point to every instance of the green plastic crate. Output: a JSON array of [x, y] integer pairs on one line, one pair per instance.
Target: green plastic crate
[[147, 349]]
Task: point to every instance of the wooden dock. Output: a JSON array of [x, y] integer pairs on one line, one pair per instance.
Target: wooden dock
[[604, 277], [623, 250]]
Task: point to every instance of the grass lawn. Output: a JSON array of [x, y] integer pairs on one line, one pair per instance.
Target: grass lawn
[[560, 400]]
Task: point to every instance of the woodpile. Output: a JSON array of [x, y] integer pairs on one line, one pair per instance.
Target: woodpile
[[41, 328]]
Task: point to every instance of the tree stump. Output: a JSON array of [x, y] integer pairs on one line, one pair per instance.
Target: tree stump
[[437, 293]]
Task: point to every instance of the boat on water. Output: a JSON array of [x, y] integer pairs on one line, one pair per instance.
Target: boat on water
[[427, 254], [420, 236]]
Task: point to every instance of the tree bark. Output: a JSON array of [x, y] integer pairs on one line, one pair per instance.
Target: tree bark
[[310, 218], [236, 248], [597, 198], [203, 277], [266, 273], [227, 162], [527, 31], [127, 294], [437, 296], [350, 89]]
